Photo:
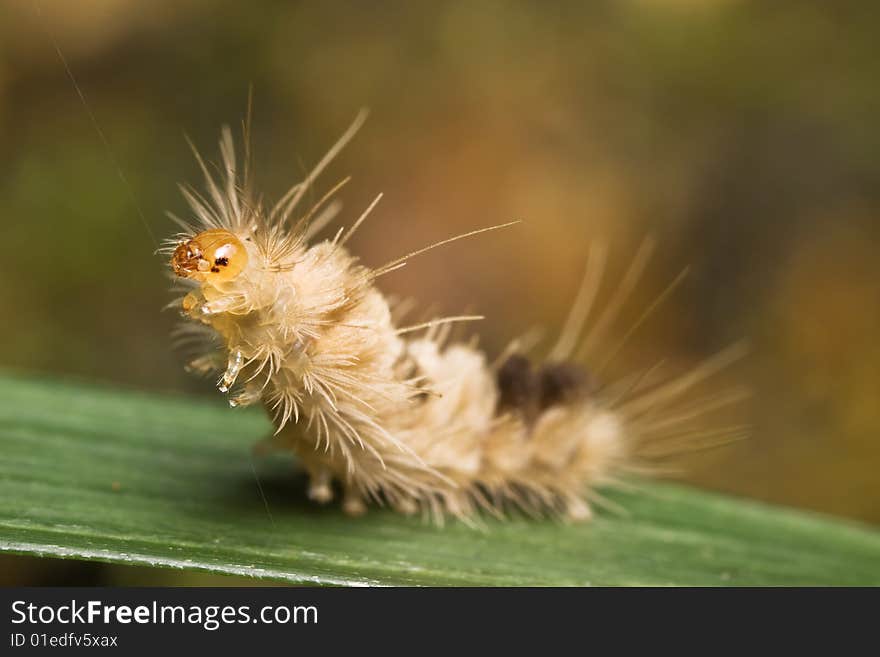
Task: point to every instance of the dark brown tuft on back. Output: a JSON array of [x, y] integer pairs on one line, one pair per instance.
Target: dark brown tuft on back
[[531, 391], [518, 387], [562, 383]]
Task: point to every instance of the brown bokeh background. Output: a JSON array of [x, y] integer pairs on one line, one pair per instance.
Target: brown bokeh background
[[742, 135]]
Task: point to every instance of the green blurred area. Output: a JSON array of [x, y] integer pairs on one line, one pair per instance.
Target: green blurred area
[[743, 135]]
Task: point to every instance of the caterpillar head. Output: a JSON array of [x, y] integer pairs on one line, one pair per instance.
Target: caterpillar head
[[212, 256]]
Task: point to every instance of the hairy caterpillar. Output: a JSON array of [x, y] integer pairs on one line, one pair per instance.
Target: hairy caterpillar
[[395, 414]]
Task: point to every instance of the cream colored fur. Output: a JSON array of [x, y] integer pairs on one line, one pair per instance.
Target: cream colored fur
[[395, 416]]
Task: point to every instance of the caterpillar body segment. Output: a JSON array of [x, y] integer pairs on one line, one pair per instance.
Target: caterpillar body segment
[[394, 414]]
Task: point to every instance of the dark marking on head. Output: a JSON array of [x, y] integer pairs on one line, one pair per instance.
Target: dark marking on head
[[222, 261], [216, 270]]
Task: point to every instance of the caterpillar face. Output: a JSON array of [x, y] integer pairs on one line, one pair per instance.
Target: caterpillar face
[[212, 256]]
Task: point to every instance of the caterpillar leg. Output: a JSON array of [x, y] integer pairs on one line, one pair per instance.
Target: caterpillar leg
[[577, 510], [407, 506], [353, 503], [320, 489]]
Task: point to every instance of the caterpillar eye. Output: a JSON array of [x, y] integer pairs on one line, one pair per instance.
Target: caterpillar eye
[[214, 255]]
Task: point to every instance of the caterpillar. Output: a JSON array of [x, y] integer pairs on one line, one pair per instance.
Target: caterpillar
[[401, 415]]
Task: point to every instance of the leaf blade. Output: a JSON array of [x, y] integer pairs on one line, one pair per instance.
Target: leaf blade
[[126, 477]]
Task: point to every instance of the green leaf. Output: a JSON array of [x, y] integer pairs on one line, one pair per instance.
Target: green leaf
[[124, 477]]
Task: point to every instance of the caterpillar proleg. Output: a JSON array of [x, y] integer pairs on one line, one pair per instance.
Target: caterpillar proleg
[[400, 415]]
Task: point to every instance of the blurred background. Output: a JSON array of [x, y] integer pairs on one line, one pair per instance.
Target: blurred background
[[742, 135]]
